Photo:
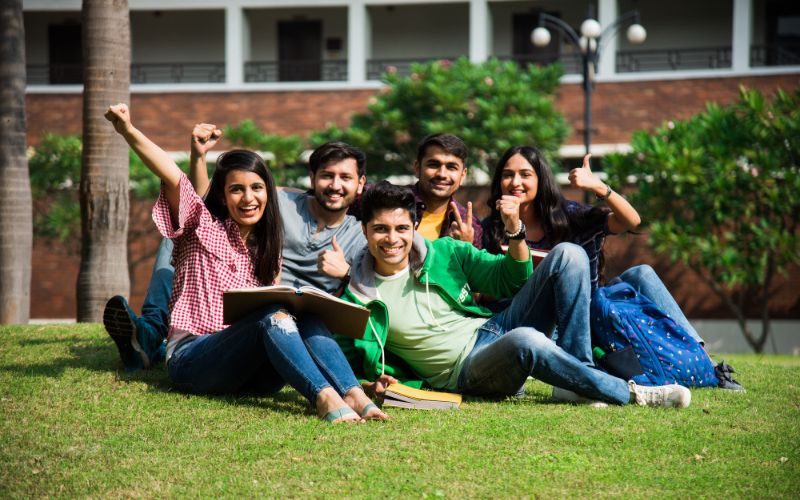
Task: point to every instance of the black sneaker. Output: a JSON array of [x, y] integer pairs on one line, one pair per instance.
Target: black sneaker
[[723, 372], [119, 322]]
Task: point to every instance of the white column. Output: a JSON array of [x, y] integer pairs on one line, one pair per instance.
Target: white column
[[742, 34], [480, 31], [359, 41], [607, 13], [235, 40]]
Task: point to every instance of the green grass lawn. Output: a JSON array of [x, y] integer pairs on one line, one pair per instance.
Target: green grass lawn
[[73, 424]]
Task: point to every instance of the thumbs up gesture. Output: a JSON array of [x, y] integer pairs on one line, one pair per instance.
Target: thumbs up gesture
[[331, 261], [583, 178]]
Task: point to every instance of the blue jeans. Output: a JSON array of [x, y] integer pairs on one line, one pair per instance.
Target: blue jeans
[[645, 281], [152, 326], [513, 344], [260, 354]]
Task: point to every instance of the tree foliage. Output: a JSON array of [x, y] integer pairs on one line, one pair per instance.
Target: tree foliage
[[55, 168], [723, 193], [284, 151], [491, 105]]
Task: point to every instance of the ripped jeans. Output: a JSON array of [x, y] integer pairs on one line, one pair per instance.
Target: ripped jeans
[[260, 354]]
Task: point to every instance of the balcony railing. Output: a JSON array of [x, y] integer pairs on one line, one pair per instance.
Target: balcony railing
[[571, 62], [402, 67], [632, 61], [178, 72], [45, 74], [296, 71], [775, 55]]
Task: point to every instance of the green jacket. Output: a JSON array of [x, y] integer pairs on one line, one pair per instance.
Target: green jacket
[[453, 269]]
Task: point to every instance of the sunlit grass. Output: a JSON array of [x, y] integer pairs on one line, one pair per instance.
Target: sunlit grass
[[73, 424]]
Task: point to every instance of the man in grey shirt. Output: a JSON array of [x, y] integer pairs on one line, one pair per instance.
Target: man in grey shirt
[[319, 243]]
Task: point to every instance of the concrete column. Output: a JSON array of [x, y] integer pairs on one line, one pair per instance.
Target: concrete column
[[359, 41], [742, 34], [480, 31], [607, 13], [235, 40]]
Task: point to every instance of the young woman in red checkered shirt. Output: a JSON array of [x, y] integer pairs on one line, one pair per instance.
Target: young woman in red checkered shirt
[[233, 239]]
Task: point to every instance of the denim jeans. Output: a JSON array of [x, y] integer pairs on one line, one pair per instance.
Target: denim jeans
[[152, 326], [513, 344], [645, 281], [260, 354]]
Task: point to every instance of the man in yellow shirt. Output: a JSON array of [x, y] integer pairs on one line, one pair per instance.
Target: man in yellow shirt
[[440, 169]]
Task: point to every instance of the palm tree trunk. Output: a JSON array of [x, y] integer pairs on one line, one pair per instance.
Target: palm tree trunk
[[16, 209], [104, 171]]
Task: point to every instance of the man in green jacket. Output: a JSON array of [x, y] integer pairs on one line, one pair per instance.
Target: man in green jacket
[[425, 327]]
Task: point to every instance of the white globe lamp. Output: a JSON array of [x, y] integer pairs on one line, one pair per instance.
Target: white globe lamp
[[540, 37], [636, 33], [590, 28]]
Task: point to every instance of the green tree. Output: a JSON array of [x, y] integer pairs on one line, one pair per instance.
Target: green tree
[[723, 193], [491, 105], [285, 152], [55, 169]]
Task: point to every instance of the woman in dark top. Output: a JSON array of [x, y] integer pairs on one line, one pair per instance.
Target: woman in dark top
[[550, 219]]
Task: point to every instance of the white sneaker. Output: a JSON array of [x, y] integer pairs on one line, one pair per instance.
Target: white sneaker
[[567, 396], [668, 396]]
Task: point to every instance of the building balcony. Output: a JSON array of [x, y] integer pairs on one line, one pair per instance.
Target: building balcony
[[296, 71], [633, 61]]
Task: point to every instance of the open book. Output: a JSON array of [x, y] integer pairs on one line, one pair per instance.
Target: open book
[[402, 396], [536, 254], [338, 315]]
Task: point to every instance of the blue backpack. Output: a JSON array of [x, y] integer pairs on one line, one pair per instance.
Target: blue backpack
[[643, 344]]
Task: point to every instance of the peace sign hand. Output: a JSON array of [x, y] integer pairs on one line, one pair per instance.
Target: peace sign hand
[[462, 229]]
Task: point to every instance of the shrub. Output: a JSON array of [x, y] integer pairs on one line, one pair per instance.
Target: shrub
[[723, 193], [491, 106]]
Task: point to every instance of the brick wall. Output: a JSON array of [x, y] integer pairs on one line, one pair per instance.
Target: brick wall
[[619, 108]]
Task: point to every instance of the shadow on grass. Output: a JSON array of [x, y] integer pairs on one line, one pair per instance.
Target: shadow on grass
[[101, 358]]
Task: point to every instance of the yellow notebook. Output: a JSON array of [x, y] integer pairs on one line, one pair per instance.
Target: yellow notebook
[[403, 396]]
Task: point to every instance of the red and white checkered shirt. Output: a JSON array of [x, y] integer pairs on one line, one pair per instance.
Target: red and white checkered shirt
[[209, 258]]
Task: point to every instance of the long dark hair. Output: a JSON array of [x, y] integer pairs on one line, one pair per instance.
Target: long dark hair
[[266, 239], [549, 204]]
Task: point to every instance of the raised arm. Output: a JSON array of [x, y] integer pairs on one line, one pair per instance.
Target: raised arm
[[153, 156], [204, 137], [623, 216], [508, 206]]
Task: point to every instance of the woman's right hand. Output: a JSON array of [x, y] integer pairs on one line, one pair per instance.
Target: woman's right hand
[[120, 117]]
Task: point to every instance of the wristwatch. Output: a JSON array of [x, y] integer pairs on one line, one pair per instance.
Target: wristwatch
[[605, 196], [520, 234]]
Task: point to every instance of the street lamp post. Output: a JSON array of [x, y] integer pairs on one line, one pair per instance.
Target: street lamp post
[[589, 46]]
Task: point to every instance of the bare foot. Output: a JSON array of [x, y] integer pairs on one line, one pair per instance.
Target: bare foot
[[358, 400], [329, 401]]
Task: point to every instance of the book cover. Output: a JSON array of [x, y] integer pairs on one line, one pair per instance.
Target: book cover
[[402, 396], [339, 316]]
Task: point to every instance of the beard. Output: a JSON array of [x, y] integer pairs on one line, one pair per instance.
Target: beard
[[324, 203]]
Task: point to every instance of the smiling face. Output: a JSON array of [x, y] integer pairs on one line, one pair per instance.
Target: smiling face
[[519, 179], [440, 173], [245, 197], [337, 184], [389, 234]]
